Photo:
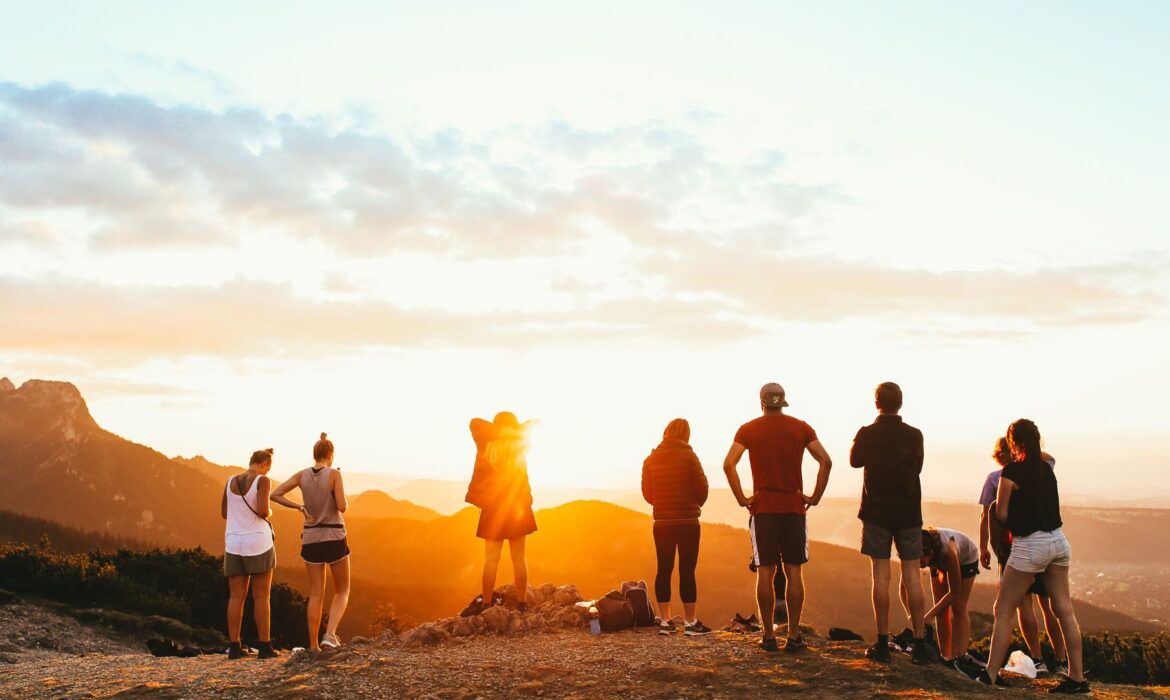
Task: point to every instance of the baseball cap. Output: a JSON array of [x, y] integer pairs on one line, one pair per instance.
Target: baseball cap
[[772, 395]]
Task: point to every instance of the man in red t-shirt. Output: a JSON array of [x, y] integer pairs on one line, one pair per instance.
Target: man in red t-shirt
[[775, 444]]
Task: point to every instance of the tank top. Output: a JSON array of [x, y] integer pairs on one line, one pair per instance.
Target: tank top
[[246, 533], [317, 494], [968, 550]]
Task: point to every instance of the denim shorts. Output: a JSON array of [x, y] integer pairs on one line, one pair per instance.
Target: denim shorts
[[1036, 552]]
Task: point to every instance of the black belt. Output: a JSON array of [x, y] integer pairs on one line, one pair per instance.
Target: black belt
[[337, 526]]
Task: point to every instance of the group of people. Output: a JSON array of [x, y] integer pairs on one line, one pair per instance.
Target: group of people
[[1020, 524], [250, 545]]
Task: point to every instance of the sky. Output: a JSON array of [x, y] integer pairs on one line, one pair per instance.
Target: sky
[[234, 227]]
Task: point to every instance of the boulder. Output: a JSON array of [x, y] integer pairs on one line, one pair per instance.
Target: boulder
[[426, 634]]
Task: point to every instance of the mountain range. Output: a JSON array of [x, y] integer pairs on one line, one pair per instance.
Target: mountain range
[[409, 561]]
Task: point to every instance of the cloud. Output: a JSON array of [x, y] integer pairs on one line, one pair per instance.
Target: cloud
[[135, 324]]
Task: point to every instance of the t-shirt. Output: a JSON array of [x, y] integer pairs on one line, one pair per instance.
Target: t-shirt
[[890, 451], [968, 550], [991, 486], [1035, 505], [775, 444]]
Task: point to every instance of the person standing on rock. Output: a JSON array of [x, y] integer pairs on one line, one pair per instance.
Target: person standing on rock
[[776, 444], [499, 488], [249, 551], [323, 540], [891, 453], [673, 483]]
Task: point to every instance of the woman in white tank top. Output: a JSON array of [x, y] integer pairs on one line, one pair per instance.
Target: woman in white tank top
[[323, 540], [249, 552]]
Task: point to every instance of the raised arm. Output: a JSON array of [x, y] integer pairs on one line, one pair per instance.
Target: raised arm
[[817, 450], [339, 492], [293, 482], [729, 464]]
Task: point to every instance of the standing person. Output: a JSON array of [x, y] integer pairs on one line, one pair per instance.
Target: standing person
[[891, 453], [249, 551], [995, 538], [499, 487], [953, 558], [775, 444], [673, 483], [323, 540], [1028, 503]]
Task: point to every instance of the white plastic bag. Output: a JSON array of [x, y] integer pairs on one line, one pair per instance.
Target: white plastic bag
[[1020, 664]]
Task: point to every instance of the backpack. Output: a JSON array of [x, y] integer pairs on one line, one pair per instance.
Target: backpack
[[639, 598], [615, 612]]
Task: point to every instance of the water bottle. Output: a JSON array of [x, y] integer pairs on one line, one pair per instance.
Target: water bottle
[[594, 620]]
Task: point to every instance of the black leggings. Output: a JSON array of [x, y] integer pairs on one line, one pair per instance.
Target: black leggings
[[685, 538]]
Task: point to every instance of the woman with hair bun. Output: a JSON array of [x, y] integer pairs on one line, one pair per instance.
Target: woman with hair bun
[[1028, 503], [323, 540], [249, 552]]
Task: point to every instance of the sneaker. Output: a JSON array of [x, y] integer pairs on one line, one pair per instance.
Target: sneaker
[[236, 651], [696, 629], [923, 654], [795, 645], [968, 667], [1060, 668], [1070, 687], [474, 608], [780, 614], [330, 641], [266, 651], [902, 641], [985, 679], [878, 652], [751, 624], [665, 627], [769, 644], [1041, 667]]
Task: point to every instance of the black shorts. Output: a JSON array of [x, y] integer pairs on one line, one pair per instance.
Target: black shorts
[[969, 570], [1037, 586], [329, 552], [779, 536]]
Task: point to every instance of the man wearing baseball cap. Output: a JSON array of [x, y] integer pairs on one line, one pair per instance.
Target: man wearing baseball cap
[[775, 444]]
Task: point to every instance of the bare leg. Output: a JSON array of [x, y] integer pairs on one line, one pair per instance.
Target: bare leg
[[1056, 581], [881, 594], [1013, 587], [664, 609], [519, 568], [794, 597], [943, 621], [237, 593], [766, 598], [1052, 626], [340, 571], [491, 562], [1029, 629], [961, 619], [316, 595], [261, 589], [913, 583]]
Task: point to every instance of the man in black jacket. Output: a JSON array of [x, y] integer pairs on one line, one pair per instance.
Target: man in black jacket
[[891, 453]]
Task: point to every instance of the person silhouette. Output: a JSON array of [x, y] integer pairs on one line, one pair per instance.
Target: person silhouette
[[499, 488]]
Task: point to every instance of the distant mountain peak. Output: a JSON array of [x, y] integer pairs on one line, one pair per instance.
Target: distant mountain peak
[[6, 384], [61, 400]]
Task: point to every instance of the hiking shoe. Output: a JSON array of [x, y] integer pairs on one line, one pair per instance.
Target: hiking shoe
[[902, 641], [795, 645], [769, 644], [878, 652], [266, 651], [780, 614], [235, 651], [968, 667], [330, 641], [474, 608], [696, 629], [1070, 687], [986, 680], [923, 654], [665, 627]]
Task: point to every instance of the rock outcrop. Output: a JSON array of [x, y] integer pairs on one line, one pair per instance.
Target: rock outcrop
[[549, 607]]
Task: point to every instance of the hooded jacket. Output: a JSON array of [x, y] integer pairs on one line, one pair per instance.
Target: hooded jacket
[[673, 482]]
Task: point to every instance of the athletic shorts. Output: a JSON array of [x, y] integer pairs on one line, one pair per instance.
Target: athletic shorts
[[1038, 551], [248, 565], [779, 537], [876, 542], [969, 570], [329, 552]]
